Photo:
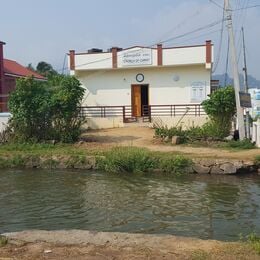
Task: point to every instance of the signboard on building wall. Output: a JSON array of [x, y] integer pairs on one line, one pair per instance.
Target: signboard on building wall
[[245, 99], [198, 91], [137, 57]]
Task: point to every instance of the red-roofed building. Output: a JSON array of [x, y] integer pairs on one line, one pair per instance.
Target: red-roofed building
[[9, 71]]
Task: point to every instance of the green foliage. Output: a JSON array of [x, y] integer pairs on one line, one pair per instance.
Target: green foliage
[[221, 108], [177, 164], [65, 100], [200, 255], [254, 241], [139, 160], [42, 111], [257, 160], [3, 241], [45, 69], [127, 159], [241, 145], [164, 131], [30, 108], [75, 160], [208, 131]]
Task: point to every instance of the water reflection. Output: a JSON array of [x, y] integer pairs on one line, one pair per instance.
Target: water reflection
[[201, 206]]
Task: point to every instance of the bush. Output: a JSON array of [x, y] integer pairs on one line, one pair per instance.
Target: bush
[[139, 160], [164, 131], [243, 145], [3, 241], [65, 100], [257, 160], [46, 110], [129, 159], [221, 108], [30, 108], [254, 241], [177, 164], [207, 131]]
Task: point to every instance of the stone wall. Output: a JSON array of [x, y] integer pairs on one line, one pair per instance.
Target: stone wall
[[199, 166], [223, 166]]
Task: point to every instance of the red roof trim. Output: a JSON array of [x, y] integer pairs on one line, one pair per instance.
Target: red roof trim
[[11, 67]]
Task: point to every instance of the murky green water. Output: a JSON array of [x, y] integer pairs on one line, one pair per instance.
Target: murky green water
[[199, 206]]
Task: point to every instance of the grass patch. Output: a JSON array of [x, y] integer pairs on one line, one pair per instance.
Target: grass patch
[[200, 255], [177, 164], [3, 241], [254, 242], [257, 160], [245, 144], [140, 160], [127, 159]]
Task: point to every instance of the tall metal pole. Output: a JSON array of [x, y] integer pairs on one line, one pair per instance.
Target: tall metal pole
[[240, 110], [246, 85]]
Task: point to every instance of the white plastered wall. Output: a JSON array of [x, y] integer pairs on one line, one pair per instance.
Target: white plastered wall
[[113, 87]]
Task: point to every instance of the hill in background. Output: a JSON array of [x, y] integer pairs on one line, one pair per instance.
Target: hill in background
[[252, 82]]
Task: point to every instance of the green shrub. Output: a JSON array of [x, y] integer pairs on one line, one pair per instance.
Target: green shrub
[[66, 95], [127, 159], [3, 241], [30, 108], [243, 144], [46, 111], [132, 159], [164, 131], [257, 160], [208, 131], [254, 241], [177, 164], [221, 108]]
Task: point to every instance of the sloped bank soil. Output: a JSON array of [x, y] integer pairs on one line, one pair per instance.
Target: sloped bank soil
[[77, 244]]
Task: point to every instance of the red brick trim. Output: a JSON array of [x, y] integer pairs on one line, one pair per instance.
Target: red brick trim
[[72, 60], [114, 57], [159, 55], [1, 67], [208, 52], [2, 77]]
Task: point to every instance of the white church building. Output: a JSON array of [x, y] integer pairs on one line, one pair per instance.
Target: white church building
[[158, 84]]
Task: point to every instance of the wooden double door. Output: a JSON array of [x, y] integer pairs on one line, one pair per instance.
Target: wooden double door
[[140, 99]]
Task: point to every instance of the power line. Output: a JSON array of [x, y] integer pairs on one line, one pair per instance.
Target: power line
[[227, 58], [220, 44], [191, 32], [183, 22], [165, 41], [216, 4], [199, 36], [247, 7]]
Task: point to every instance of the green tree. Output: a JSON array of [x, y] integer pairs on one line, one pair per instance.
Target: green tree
[[45, 69], [221, 108], [46, 111], [66, 96], [30, 67], [29, 105]]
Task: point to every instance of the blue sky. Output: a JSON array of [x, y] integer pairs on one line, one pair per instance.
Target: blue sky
[[45, 30]]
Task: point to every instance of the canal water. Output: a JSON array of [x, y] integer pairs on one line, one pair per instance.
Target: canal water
[[200, 206]]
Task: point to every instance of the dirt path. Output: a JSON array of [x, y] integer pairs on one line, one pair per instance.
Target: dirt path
[[143, 137], [76, 244]]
